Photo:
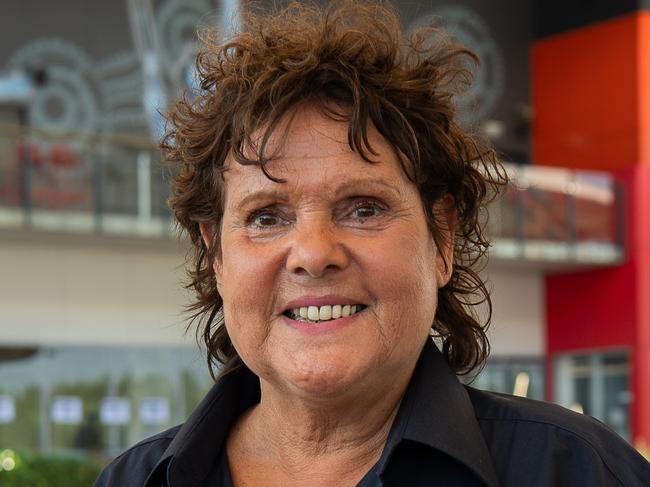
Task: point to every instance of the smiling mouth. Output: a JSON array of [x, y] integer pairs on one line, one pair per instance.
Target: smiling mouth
[[318, 314]]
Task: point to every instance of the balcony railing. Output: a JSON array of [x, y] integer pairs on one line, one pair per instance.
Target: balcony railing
[[92, 184], [116, 185], [559, 215]]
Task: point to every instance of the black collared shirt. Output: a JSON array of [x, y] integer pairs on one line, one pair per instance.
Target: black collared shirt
[[444, 434]]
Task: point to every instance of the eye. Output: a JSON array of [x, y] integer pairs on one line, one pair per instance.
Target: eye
[[265, 219], [366, 209]]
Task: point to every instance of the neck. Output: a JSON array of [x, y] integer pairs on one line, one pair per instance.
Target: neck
[[306, 439]]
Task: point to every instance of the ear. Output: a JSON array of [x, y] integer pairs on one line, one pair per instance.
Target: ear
[[446, 220], [208, 234]]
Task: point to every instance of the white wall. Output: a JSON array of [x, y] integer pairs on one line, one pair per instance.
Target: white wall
[[67, 291], [62, 291], [518, 320]]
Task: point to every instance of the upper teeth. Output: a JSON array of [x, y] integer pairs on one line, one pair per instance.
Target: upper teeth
[[327, 312]]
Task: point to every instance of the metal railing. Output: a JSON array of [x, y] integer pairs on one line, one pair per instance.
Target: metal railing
[[82, 183], [561, 215], [118, 185]]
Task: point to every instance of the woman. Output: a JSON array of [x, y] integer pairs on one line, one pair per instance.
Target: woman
[[333, 203]]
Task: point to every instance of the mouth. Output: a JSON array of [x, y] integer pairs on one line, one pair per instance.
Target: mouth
[[319, 314]]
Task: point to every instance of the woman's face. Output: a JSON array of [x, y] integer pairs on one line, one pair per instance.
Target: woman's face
[[339, 237]]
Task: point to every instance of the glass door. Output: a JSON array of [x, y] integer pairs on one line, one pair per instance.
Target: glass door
[[596, 384]]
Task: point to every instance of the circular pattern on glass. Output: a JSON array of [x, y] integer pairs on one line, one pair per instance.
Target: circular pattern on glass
[[64, 98], [177, 21], [468, 28]]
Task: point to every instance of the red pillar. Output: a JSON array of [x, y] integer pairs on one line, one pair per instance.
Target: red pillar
[[591, 96]]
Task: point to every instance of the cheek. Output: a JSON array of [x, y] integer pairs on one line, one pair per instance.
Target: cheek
[[407, 278], [244, 272], [238, 292], [247, 277], [417, 258]]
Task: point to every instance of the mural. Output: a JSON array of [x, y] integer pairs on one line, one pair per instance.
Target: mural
[[121, 93], [77, 94], [468, 28], [71, 82]]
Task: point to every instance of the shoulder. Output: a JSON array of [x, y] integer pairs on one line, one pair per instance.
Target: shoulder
[[134, 465], [534, 438], [494, 407]]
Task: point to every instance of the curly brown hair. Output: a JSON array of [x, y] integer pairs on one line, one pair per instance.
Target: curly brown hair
[[351, 55]]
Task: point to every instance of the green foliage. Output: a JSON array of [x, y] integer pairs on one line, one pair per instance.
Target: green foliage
[[50, 471]]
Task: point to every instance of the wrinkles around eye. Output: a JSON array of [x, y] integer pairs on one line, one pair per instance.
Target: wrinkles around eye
[[359, 213]]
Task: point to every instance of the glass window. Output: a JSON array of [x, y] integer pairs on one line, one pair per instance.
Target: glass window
[[521, 376], [596, 384], [95, 400]]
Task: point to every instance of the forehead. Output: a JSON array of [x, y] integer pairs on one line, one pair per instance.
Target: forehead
[[311, 148]]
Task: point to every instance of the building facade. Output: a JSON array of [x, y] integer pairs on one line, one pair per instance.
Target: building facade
[[93, 350]]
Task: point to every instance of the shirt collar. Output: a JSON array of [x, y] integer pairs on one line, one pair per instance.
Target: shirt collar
[[196, 447], [436, 411]]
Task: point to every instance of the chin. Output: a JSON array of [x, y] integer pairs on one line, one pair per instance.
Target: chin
[[323, 380]]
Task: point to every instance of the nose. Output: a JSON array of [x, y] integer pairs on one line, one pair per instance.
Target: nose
[[316, 249]]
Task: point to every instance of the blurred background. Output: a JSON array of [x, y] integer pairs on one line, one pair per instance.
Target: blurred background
[[93, 355]]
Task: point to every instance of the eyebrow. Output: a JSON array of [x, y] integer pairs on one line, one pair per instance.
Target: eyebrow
[[264, 194], [365, 184], [346, 187]]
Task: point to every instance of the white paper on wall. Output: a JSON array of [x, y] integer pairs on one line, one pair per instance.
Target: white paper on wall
[[154, 410], [66, 410], [114, 410], [7, 409]]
